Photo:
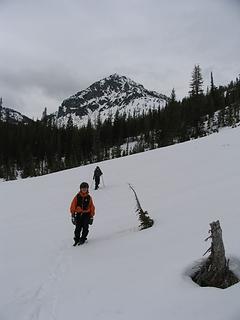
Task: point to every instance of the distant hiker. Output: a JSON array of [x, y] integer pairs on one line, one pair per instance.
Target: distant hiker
[[82, 210], [96, 176]]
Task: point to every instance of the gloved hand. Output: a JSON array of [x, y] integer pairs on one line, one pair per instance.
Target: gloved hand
[[90, 221], [73, 219]]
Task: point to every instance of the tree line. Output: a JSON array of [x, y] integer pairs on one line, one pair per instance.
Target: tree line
[[40, 147]]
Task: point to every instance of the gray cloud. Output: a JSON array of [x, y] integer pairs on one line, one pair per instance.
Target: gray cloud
[[51, 49]]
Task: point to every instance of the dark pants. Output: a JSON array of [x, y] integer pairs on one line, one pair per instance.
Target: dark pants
[[97, 181], [82, 222]]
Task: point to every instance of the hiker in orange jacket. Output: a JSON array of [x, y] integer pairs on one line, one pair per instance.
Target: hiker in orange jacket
[[82, 211]]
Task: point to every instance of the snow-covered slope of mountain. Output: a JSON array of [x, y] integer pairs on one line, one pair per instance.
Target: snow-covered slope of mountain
[[123, 273], [12, 116], [106, 97]]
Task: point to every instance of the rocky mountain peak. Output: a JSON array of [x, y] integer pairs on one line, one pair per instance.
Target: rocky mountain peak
[[12, 116], [107, 96]]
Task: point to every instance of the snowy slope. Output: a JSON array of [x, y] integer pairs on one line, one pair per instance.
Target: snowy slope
[[122, 273]]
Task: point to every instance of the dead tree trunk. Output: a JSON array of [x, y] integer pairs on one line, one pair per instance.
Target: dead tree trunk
[[215, 271]]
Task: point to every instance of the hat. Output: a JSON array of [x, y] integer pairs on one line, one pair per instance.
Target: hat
[[84, 185]]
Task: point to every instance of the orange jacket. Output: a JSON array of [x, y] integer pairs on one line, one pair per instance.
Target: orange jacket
[[75, 208]]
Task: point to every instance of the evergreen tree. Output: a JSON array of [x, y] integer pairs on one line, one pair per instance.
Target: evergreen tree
[[173, 95], [145, 220], [196, 83], [213, 88], [70, 122], [44, 114]]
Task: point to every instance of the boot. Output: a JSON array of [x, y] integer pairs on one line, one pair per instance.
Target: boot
[[81, 241], [76, 242]]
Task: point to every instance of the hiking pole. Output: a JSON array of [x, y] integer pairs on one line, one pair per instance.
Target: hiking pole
[[91, 185], [103, 182]]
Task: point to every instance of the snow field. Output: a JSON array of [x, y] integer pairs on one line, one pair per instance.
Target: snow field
[[123, 273]]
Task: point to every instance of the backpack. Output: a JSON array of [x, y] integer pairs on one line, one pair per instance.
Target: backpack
[[83, 202]]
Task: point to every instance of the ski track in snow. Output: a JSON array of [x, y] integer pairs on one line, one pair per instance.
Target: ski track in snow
[[41, 303]]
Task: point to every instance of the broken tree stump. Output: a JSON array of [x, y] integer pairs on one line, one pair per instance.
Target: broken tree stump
[[215, 271]]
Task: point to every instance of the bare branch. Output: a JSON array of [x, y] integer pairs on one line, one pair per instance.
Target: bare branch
[[208, 250]]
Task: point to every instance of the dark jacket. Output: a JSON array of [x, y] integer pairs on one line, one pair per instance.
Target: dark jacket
[[97, 172]]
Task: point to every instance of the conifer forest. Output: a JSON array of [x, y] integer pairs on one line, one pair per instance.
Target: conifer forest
[[40, 147]]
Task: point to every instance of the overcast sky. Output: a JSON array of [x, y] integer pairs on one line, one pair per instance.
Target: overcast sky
[[51, 49]]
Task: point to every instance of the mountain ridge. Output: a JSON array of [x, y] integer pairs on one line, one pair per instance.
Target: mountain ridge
[[105, 97], [12, 116]]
